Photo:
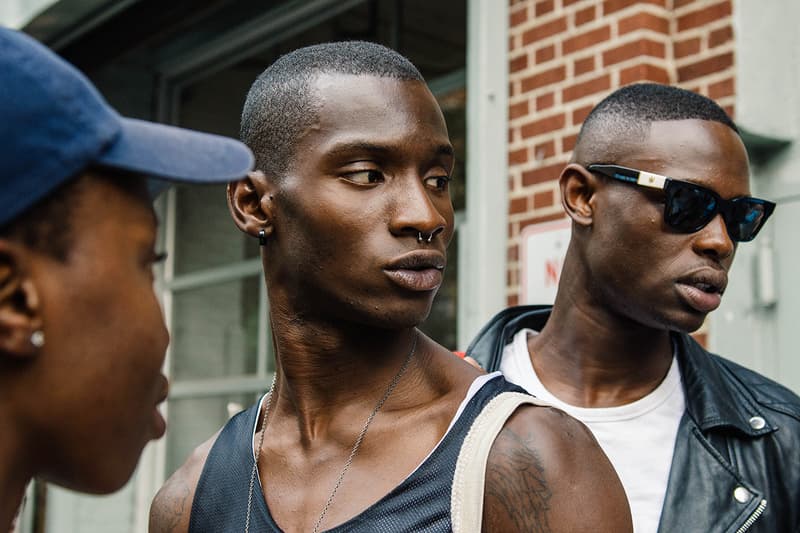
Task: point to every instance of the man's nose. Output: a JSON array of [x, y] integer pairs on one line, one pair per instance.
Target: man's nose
[[714, 240], [415, 212]]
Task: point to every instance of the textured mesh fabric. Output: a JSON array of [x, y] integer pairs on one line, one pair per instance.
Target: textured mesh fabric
[[420, 503]]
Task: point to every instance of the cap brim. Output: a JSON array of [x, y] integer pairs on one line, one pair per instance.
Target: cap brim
[[176, 154]]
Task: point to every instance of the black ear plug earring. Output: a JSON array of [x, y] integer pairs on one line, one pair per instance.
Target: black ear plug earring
[[262, 237]]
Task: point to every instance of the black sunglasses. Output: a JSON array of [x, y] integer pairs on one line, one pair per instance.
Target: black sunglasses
[[689, 207]]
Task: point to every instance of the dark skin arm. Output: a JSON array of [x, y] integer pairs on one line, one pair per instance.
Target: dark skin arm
[[547, 474], [172, 505]]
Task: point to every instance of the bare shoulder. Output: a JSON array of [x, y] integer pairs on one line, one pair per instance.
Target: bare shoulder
[[546, 473], [172, 505]]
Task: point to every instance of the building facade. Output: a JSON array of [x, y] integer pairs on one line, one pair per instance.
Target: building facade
[[514, 78]]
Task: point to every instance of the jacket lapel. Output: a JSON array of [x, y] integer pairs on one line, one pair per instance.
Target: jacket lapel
[[701, 479]]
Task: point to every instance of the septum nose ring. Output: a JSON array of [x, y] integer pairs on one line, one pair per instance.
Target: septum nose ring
[[420, 238]]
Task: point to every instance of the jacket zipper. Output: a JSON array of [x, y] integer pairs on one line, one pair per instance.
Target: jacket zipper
[[753, 517]]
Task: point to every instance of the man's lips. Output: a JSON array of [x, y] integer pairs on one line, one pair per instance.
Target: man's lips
[[703, 290], [417, 271], [159, 424]]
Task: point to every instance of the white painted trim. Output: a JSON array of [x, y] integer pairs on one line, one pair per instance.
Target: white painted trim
[[483, 241], [212, 276]]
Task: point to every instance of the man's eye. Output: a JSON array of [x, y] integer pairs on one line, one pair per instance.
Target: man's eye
[[364, 177], [438, 182]]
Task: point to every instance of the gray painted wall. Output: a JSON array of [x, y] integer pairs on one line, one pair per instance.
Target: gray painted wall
[[764, 335]]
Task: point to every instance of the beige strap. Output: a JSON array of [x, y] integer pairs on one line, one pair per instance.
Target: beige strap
[[466, 499]]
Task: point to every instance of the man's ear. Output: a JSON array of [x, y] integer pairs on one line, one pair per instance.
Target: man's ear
[[20, 310], [578, 188], [250, 203]]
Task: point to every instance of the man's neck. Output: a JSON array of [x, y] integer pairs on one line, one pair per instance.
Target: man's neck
[[325, 367], [589, 358]]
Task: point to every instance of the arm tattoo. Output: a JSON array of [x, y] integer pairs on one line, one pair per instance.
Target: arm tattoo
[[516, 485]]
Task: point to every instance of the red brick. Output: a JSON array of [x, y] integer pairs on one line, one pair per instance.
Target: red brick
[[518, 63], [643, 72], [518, 110], [680, 3], [704, 16], [546, 53], [721, 89], [638, 48], [542, 31], [686, 48], [579, 90], [585, 40], [705, 67], [539, 219], [643, 21], [543, 199], [513, 253], [512, 300], [582, 66], [720, 36], [518, 205], [544, 150], [544, 7], [729, 109], [542, 174], [611, 6], [547, 77], [544, 101], [567, 3], [580, 114], [585, 15], [518, 16], [511, 277], [543, 125], [568, 142], [517, 157]]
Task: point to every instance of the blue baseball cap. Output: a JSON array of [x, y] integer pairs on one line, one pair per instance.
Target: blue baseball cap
[[54, 124]]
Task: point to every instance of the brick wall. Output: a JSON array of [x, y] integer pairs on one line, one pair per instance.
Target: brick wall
[[566, 55]]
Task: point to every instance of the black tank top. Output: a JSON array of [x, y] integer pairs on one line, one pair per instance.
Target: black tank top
[[420, 503]]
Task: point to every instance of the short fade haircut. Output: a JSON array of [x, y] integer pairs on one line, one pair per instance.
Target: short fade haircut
[[281, 103], [627, 113]]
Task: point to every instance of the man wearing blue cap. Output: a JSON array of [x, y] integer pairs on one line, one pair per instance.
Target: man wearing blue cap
[[82, 338]]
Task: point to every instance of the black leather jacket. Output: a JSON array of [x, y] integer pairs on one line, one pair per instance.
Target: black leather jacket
[[736, 465]]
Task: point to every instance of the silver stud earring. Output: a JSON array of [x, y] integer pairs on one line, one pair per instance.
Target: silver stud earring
[[37, 338]]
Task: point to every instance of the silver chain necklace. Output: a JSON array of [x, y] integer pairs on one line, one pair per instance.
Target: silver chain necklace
[[353, 452]]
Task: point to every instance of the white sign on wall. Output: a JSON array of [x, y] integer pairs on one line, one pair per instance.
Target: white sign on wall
[[542, 253]]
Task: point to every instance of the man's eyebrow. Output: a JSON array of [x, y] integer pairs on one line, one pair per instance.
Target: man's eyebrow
[[363, 146], [358, 146], [445, 149]]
